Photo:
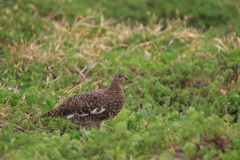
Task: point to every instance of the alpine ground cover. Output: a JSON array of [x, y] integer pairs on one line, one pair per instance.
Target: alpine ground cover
[[182, 102]]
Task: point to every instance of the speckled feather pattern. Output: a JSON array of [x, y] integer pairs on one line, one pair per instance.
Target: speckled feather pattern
[[92, 108]]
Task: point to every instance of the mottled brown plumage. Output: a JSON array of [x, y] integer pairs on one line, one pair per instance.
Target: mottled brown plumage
[[92, 108]]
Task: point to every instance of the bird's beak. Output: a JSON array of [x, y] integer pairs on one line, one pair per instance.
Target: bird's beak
[[126, 78]]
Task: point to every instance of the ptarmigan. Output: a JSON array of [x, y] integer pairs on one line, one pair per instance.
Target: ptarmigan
[[92, 108]]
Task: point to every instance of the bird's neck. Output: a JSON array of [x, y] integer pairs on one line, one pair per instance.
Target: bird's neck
[[114, 87]]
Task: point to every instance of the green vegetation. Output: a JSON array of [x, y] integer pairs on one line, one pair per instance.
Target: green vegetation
[[182, 102]]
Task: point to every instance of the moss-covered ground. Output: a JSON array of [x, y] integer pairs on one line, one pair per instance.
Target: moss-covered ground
[[182, 102]]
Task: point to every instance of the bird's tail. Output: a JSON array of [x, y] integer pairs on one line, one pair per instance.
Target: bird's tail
[[50, 113]]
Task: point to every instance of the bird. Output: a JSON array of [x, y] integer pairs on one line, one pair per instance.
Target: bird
[[94, 107]]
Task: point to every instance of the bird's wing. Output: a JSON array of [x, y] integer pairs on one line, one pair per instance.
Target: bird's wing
[[94, 103]]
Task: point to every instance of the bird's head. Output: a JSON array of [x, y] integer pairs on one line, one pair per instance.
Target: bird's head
[[119, 78]]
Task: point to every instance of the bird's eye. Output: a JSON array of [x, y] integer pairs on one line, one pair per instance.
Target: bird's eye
[[119, 76]]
